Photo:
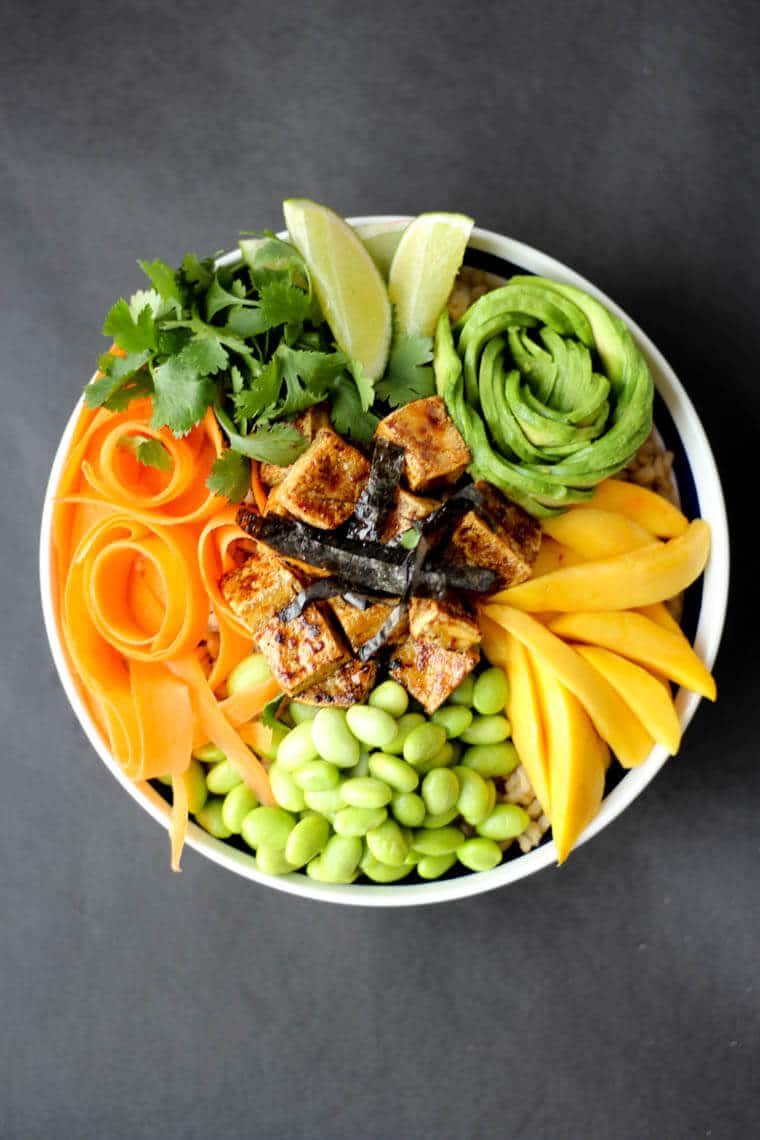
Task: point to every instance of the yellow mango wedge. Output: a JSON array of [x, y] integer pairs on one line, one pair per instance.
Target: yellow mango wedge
[[577, 756], [523, 708], [638, 637], [595, 534], [612, 717], [553, 556], [643, 506], [638, 578], [646, 695], [661, 615]]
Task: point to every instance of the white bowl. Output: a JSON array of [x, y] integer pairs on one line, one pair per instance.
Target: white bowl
[[700, 489]]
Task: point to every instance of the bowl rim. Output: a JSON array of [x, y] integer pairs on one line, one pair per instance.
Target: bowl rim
[[710, 624]]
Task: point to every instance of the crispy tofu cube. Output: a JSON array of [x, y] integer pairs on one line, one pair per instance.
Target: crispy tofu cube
[[429, 672], [260, 587], [274, 504], [304, 650], [308, 423], [446, 623], [434, 452], [323, 485], [349, 685], [408, 509], [499, 535], [360, 625]]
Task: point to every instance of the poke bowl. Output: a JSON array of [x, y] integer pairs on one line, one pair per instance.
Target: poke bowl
[[675, 460]]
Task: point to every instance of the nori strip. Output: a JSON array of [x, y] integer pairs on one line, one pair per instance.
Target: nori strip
[[389, 570], [371, 646], [317, 591], [378, 498]]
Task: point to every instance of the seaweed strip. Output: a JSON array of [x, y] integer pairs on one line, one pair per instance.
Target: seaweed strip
[[317, 591], [379, 495], [370, 647]]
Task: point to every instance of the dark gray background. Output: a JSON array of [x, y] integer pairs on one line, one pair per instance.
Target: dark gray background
[[616, 998]]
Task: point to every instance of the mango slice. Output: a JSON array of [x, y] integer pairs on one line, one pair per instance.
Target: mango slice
[[643, 506], [523, 708], [661, 615], [578, 759], [612, 717], [647, 696], [553, 556], [638, 637], [595, 533], [638, 578]]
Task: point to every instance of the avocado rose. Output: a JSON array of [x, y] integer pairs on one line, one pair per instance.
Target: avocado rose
[[548, 389]]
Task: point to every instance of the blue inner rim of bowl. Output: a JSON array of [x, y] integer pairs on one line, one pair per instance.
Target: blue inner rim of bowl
[[500, 267]]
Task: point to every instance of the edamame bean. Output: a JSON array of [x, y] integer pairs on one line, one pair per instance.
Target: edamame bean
[[440, 819], [423, 743], [222, 778], [317, 776], [406, 724], [248, 673], [285, 790], [268, 827], [479, 854], [391, 697], [440, 790], [491, 692], [393, 771], [210, 818], [491, 759], [476, 795], [381, 873], [358, 820], [365, 792], [362, 768], [442, 841], [462, 695], [454, 718], [271, 861], [195, 786], [236, 806], [333, 738], [446, 756], [340, 858], [299, 713], [487, 730], [506, 821], [307, 839], [209, 754], [408, 808], [433, 866], [298, 747], [326, 802], [388, 843], [372, 726]]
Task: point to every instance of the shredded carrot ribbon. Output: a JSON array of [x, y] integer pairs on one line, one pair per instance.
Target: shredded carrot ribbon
[[138, 557]]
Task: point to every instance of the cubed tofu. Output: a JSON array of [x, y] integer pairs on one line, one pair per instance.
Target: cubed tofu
[[498, 535], [445, 622], [408, 509], [308, 423], [429, 672], [360, 625], [434, 452], [274, 503], [323, 485], [304, 650], [349, 685], [260, 587]]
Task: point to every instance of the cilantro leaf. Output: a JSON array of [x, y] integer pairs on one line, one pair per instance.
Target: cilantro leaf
[[219, 298], [132, 333], [150, 452], [284, 304], [280, 443], [124, 378], [270, 710], [347, 413], [182, 388], [364, 386], [261, 393], [164, 279], [408, 376], [195, 273], [230, 476]]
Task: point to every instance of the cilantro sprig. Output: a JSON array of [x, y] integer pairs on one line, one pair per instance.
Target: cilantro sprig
[[249, 341]]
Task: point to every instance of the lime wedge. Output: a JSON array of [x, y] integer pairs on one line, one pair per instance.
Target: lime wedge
[[424, 267], [348, 284], [381, 239]]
